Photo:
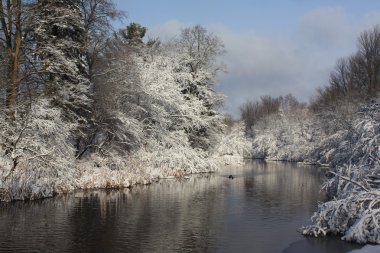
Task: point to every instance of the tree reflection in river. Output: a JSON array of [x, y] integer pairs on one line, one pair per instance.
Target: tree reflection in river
[[169, 215], [257, 211]]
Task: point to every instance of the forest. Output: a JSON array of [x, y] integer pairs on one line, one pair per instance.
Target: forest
[[84, 105]]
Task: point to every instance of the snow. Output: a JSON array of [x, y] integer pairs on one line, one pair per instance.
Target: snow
[[153, 113], [366, 249], [147, 126], [354, 212], [348, 140], [233, 146]]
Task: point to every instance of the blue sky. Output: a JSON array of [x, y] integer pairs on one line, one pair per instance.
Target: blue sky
[[273, 47]]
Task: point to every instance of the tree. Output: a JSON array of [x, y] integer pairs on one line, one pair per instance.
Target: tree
[[253, 111], [37, 147], [369, 52], [353, 210], [202, 46], [61, 58], [117, 93], [356, 77], [61, 48], [199, 50], [98, 16], [340, 77], [135, 34], [12, 41]]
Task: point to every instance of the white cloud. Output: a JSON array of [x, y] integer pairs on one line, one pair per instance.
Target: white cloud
[[326, 27], [166, 31], [274, 66]]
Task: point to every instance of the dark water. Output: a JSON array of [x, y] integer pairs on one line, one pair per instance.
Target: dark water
[[257, 211]]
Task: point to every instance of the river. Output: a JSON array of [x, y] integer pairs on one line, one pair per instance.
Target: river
[[259, 210]]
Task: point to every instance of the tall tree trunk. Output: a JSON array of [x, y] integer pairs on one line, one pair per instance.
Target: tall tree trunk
[[10, 18], [14, 84]]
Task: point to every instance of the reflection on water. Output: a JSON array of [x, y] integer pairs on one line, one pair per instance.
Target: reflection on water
[[257, 211]]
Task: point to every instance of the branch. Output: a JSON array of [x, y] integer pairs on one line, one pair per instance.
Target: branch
[[350, 180]]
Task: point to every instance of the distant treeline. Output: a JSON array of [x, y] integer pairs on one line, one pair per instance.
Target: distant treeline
[[354, 79]]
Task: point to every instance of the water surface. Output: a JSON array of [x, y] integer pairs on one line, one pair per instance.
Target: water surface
[[259, 210]]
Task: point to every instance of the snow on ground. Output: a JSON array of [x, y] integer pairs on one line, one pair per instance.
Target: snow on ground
[[367, 249], [354, 210]]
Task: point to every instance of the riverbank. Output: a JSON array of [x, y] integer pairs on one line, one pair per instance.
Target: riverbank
[[92, 175], [354, 182], [27, 181], [351, 152]]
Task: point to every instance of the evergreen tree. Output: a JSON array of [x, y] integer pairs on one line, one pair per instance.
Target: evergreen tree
[[61, 53]]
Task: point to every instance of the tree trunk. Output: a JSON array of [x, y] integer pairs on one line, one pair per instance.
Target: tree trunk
[[14, 53]]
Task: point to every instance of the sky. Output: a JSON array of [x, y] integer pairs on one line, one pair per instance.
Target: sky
[[272, 47]]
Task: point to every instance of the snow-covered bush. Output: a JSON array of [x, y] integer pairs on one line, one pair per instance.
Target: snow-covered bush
[[37, 159], [335, 149], [177, 160], [111, 171], [233, 146], [299, 135], [355, 210], [287, 135]]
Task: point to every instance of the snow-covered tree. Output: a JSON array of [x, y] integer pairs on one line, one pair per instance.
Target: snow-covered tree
[[199, 50], [35, 158], [233, 146], [37, 148], [155, 112], [149, 110], [61, 52], [11, 33]]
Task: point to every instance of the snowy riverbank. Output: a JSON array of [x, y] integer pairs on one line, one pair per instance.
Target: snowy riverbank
[[353, 153], [31, 180], [354, 210]]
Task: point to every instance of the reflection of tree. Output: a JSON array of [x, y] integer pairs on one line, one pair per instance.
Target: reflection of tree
[[93, 222], [174, 215], [283, 186], [37, 226], [170, 215]]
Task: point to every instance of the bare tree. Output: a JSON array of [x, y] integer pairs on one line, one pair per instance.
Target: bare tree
[[369, 51], [253, 111], [339, 78], [201, 45], [356, 77], [98, 16]]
